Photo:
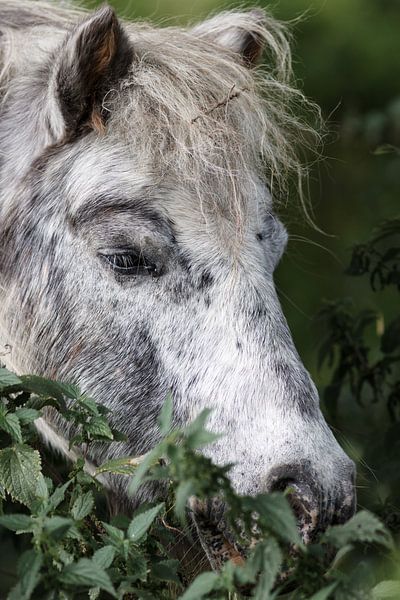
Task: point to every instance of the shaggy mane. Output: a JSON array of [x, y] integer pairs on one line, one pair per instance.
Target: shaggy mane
[[193, 108]]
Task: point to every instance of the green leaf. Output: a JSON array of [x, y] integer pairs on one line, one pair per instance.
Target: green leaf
[[386, 590], [37, 403], [184, 490], [20, 468], [29, 566], [166, 570], [386, 149], [17, 523], [325, 593], [202, 437], [27, 415], [196, 434], [114, 535], [119, 466], [8, 379], [276, 514], [104, 556], [201, 586], [198, 424], [86, 573], [271, 563], [141, 523], [150, 459], [11, 425], [58, 495], [118, 436], [42, 491], [137, 566], [363, 527], [70, 390], [57, 527], [90, 405], [82, 506], [45, 387], [99, 428], [165, 418]]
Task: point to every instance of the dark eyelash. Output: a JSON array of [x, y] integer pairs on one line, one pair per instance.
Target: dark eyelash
[[130, 263]]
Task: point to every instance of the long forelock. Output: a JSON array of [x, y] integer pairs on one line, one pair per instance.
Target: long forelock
[[196, 110], [193, 109]]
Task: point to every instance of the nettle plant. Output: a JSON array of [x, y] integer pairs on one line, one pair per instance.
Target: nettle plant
[[72, 549], [74, 552]]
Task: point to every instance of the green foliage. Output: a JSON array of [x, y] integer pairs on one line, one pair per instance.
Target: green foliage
[[347, 345], [71, 551], [361, 349]]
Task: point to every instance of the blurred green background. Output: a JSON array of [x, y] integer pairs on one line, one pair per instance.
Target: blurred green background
[[347, 59]]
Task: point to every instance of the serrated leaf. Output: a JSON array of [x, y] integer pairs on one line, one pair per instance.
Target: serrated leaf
[[11, 425], [165, 418], [199, 422], [104, 556], [57, 527], [20, 468], [386, 590], [363, 527], [271, 563], [137, 565], [45, 387], [42, 491], [27, 415], [148, 461], [58, 495], [120, 466], [82, 506], [86, 573], [17, 523], [166, 570], [37, 403], [90, 405], [184, 490], [201, 586], [202, 437], [8, 379], [142, 522], [29, 566], [114, 534], [99, 428], [275, 512], [118, 436]]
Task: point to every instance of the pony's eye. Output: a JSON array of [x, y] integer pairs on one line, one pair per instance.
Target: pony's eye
[[129, 262]]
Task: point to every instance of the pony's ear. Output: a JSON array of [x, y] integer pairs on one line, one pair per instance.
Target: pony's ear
[[92, 57], [241, 32]]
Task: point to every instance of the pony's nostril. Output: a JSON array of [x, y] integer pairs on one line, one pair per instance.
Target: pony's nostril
[[303, 495]]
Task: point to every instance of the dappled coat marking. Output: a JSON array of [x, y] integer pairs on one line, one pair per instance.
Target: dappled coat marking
[[138, 238]]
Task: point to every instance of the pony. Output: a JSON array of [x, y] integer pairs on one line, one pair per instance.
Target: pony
[[140, 170]]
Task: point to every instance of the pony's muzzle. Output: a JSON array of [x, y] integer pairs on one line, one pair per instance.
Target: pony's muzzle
[[314, 507]]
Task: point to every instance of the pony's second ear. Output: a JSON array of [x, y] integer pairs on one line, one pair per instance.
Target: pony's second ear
[[93, 56], [241, 32]]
